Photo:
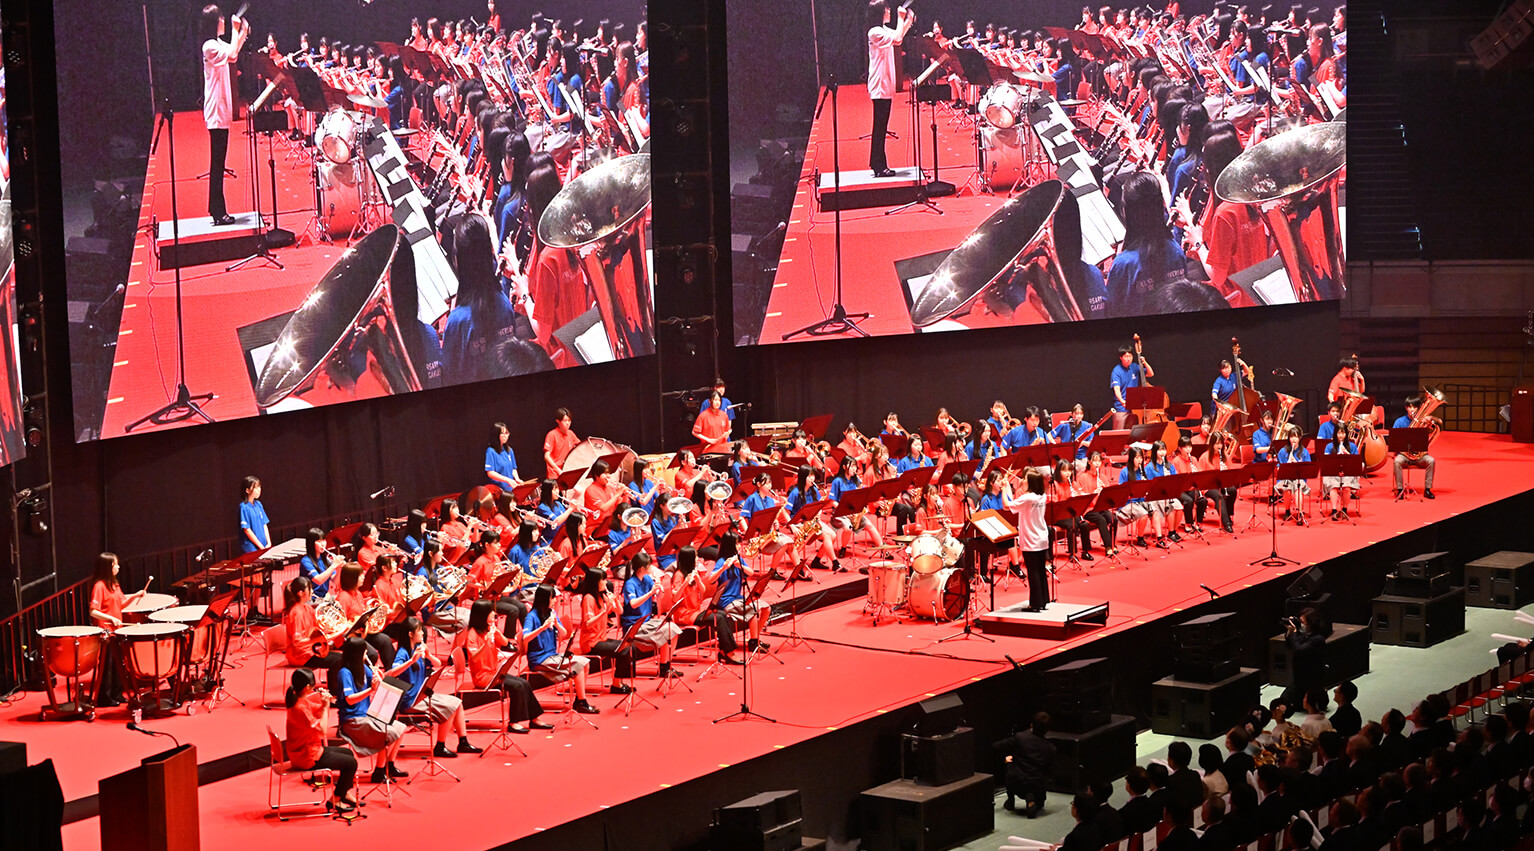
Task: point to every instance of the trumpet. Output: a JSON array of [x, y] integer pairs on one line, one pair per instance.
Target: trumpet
[[636, 518], [719, 490]]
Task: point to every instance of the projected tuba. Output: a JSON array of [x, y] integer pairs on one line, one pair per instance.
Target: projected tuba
[[1010, 258], [602, 216], [346, 327], [1293, 179]]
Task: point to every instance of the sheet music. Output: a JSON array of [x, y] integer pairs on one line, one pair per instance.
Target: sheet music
[[594, 345], [1273, 288], [385, 702], [992, 527]]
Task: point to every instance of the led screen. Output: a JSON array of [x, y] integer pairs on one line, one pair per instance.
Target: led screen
[[12, 448], [295, 203], [1038, 164]]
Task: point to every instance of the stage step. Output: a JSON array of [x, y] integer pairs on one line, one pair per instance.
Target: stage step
[[201, 241]]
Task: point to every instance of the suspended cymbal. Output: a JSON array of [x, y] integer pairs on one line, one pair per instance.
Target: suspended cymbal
[[368, 100], [1285, 164], [987, 253]]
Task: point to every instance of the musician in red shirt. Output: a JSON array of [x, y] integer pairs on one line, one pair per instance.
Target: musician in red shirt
[[558, 443], [307, 645], [602, 495], [452, 532], [106, 608], [712, 424], [308, 706]]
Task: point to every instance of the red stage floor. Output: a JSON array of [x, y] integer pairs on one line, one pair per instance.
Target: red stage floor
[[860, 670], [216, 304], [804, 287]]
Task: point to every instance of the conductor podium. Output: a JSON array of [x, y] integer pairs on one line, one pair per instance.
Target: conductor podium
[[153, 807]]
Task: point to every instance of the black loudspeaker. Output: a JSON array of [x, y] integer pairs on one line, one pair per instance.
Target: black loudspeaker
[[1346, 654], [1078, 695], [1397, 585], [1203, 710], [1502, 580], [1424, 566], [770, 821], [1418, 622], [13, 756], [938, 760], [1208, 629], [1093, 755], [938, 714], [1307, 585], [1207, 648], [902, 816]]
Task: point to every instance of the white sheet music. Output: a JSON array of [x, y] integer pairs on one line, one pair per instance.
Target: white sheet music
[[385, 702]]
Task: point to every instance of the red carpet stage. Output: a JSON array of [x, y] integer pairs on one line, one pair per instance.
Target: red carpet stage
[[216, 304], [669, 765], [872, 242]]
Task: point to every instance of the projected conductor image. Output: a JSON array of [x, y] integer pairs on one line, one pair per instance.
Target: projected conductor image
[[279, 205], [12, 448], [923, 167]]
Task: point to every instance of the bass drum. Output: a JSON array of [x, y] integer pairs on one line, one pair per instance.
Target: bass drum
[[340, 197], [937, 596], [1005, 105], [336, 135]]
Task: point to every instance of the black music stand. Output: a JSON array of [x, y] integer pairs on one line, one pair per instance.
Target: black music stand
[[219, 654], [1260, 471], [1110, 443], [1284, 472], [1202, 483], [745, 712], [1234, 479], [1112, 498], [1067, 509], [1347, 464], [1407, 440], [994, 527], [626, 645]]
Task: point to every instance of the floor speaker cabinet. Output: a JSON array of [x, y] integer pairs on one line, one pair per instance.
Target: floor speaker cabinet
[[1203, 710], [770, 821], [13, 756], [1503, 580], [1206, 648], [1423, 566], [1078, 695], [1418, 622], [1104, 753], [938, 760], [904, 816], [1346, 655], [1421, 587]]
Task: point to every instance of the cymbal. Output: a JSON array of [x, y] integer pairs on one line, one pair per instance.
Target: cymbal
[[1035, 78], [881, 548], [406, 132], [904, 539], [368, 100]]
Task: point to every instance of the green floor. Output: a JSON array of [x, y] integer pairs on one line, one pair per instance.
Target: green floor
[[1398, 677]]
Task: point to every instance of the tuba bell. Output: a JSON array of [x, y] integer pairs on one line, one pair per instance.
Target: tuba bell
[[1286, 406], [1292, 179], [347, 314], [1009, 259], [602, 216], [1432, 400]]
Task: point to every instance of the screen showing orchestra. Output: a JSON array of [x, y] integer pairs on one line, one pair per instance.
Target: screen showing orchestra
[[12, 448], [310, 203], [942, 167]]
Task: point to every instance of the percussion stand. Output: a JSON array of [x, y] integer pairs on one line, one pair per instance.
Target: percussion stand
[[220, 661], [969, 599], [186, 404], [265, 122], [978, 177]]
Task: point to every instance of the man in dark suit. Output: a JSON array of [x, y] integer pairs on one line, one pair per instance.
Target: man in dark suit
[[1181, 837], [1394, 751], [1397, 813], [1276, 808], [1139, 813], [1238, 762], [1029, 755], [1372, 830], [1345, 718], [1342, 834], [1362, 771], [1185, 787], [1159, 777], [1084, 836], [1219, 835], [1110, 825], [1334, 766]]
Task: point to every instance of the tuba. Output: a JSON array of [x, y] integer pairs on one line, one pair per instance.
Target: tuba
[[1286, 406], [1293, 180], [602, 216], [347, 314], [1220, 432], [1432, 400], [1009, 259]]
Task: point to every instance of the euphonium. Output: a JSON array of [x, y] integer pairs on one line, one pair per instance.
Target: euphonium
[[1286, 406]]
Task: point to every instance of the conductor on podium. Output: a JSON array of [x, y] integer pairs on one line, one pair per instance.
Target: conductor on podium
[[218, 56], [882, 39]]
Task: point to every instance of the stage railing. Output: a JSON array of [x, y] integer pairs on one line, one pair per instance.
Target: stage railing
[[1474, 407], [18, 633]]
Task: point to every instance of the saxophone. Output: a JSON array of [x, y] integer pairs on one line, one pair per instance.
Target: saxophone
[[807, 530]]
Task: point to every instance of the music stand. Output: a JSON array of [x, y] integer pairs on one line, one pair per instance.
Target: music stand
[[996, 529], [1261, 470], [1201, 483], [745, 713], [899, 445], [1110, 443], [1112, 498], [1167, 489], [1284, 472], [626, 644], [1145, 399], [1347, 464], [1075, 508], [958, 468], [218, 655], [680, 536], [1403, 441]]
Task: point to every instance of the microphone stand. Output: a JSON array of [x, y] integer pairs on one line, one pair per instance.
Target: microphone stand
[[840, 321], [969, 582], [745, 712], [186, 404]]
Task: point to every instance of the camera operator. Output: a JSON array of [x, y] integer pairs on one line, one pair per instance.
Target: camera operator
[[1305, 637]]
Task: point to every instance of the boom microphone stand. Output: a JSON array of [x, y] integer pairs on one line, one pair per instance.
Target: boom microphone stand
[[186, 404]]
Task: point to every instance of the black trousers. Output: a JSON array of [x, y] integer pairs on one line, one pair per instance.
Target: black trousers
[[521, 703], [1224, 502], [623, 663], [218, 151], [1107, 526], [341, 761], [331, 663], [1038, 578], [876, 160], [1072, 527], [1194, 504]]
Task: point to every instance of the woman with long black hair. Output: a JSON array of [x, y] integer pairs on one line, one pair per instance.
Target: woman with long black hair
[[482, 644], [483, 317], [368, 735], [545, 633], [1150, 258], [307, 706]]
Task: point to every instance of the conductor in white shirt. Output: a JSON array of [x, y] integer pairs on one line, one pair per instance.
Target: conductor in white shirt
[[882, 39], [218, 99]]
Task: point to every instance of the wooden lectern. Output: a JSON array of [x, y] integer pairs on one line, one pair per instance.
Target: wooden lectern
[[153, 807]]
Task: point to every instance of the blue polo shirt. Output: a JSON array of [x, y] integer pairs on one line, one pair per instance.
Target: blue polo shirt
[[660, 527], [1065, 433], [1123, 378], [253, 517], [906, 462], [731, 582], [754, 503], [347, 710], [1327, 430], [414, 676], [1261, 440], [637, 586], [545, 644], [1224, 386], [502, 461], [310, 570]]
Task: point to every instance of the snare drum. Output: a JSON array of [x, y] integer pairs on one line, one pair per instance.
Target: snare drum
[[926, 553], [71, 652], [939, 596], [336, 135], [340, 197], [1004, 105], [887, 582], [140, 610], [953, 550]]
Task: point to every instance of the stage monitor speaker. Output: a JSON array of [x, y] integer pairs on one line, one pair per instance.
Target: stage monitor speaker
[[1502, 580], [1078, 695], [939, 714], [938, 760], [1207, 630], [1416, 621], [903, 816], [1307, 585], [770, 821], [1424, 566], [31, 803]]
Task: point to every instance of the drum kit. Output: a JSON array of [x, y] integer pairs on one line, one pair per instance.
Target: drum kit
[[171, 656], [346, 193], [1009, 144], [930, 584]]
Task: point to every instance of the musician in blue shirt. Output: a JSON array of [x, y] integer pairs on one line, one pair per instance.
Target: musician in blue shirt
[[761, 500], [1413, 402], [729, 575], [544, 632], [914, 458], [1160, 464], [1332, 423], [1293, 451], [1074, 430], [662, 522], [1126, 375], [658, 633], [500, 459], [1262, 438], [1137, 509], [317, 565], [1339, 489], [985, 444], [804, 492], [254, 534], [643, 487], [850, 526], [413, 663], [1027, 432], [998, 420], [551, 508], [993, 497], [1224, 383]]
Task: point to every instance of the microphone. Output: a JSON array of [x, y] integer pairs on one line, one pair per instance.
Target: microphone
[[1283, 372], [203, 556], [1015, 665], [1212, 593], [134, 726], [386, 490]]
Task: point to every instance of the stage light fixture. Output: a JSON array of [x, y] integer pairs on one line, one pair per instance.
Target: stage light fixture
[[35, 508]]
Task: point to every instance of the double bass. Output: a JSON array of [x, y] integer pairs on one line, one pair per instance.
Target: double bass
[[1245, 398], [1153, 415]]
